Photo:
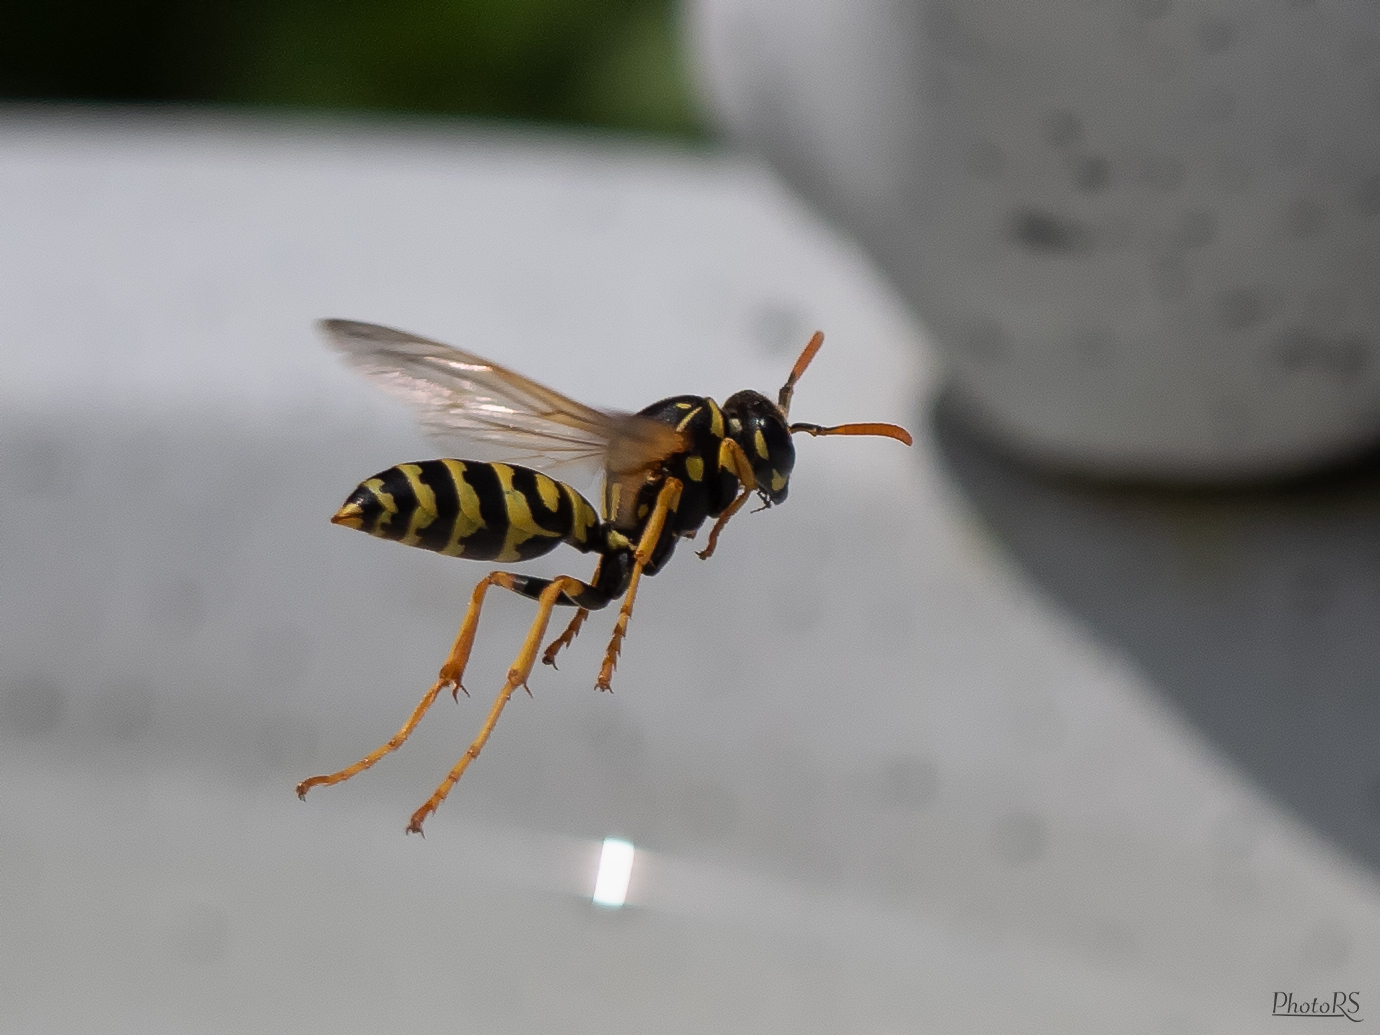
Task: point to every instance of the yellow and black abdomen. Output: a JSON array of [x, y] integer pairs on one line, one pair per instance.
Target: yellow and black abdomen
[[464, 508]]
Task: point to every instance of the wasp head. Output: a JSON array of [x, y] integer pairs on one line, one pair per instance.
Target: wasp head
[[759, 427], [763, 431]]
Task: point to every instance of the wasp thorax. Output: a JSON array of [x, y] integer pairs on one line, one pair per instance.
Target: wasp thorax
[[759, 427]]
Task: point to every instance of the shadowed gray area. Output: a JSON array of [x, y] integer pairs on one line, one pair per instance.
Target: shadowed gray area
[[1254, 611]]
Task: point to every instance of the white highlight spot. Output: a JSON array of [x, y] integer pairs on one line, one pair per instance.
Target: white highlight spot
[[615, 869]]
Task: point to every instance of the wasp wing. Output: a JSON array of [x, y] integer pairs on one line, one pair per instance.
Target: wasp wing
[[487, 412]]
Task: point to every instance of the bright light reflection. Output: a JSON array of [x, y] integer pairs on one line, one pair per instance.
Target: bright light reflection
[[615, 869]]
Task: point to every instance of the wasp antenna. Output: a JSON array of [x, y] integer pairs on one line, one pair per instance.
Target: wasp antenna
[[882, 430], [783, 399]]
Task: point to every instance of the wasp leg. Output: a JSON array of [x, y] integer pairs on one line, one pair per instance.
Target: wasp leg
[[517, 676], [566, 638], [372, 757], [453, 669], [666, 501], [572, 630], [731, 455]]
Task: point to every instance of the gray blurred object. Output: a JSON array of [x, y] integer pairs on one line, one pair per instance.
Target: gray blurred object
[[877, 780], [1145, 235]]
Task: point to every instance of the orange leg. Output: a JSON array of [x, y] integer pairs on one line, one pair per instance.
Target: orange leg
[[450, 675], [732, 509], [666, 501], [566, 638], [517, 676], [731, 455]]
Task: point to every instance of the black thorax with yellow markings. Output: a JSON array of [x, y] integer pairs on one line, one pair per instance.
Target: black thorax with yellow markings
[[708, 486]]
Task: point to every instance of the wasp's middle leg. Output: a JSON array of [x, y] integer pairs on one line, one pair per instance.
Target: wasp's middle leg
[[572, 630], [666, 501], [566, 638]]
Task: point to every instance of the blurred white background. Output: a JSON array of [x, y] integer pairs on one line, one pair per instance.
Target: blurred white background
[[936, 746]]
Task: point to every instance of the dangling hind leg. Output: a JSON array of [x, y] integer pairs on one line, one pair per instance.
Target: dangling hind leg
[[517, 676], [451, 672]]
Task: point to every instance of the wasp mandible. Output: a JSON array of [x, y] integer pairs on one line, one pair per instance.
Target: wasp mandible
[[665, 471]]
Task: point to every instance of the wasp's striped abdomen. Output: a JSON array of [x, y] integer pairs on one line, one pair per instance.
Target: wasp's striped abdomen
[[463, 508]]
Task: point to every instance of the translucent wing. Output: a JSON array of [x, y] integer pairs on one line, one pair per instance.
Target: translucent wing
[[482, 411]]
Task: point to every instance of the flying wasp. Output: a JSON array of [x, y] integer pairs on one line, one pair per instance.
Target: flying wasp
[[665, 471]]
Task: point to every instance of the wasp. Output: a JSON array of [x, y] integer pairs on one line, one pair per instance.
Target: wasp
[[665, 471]]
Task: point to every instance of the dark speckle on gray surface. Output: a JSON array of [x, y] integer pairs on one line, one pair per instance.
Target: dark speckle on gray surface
[[1197, 228], [1234, 175], [1238, 309], [1063, 128], [779, 327], [1163, 172], [1342, 355], [1311, 593], [1170, 278], [952, 34], [1150, 10], [1048, 232], [39, 464], [1373, 798], [1304, 217], [1163, 61], [1019, 839], [1091, 173], [1360, 49], [125, 711], [1108, 941], [1093, 346], [1368, 195], [985, 160], [1215, 35], [1217, 105], [31, 705], [907, 783], [1290, 147]]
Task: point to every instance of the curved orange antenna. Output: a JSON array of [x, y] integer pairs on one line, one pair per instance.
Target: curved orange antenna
[[783, 398], [900, 434], [787, 390]]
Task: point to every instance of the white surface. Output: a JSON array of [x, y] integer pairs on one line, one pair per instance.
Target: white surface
[[877, 780], [1145, 235]]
